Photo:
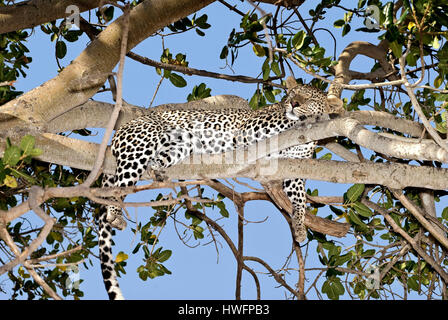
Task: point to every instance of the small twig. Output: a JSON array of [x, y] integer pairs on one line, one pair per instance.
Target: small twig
[[52, 265], [114, 116], [416, 212], [389, 266], [54, 256], [273, 273], [157, 90], [41, 282], [301, 282], [409, 88], [239, 257], [203, 73], [233, 8]]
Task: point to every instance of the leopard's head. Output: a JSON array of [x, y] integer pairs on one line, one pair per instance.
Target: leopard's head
[[304, 100]]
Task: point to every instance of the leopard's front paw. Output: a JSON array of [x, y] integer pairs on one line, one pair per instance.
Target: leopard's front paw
[[115, 218], [158, 175]]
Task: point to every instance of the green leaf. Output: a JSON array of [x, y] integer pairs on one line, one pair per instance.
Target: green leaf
[[338, 211], [326, 156], [327, 289], [146, 251], [411, 59], [164, 255], [362, 209], [346, 29], [266, 69], [339, 261], [368, 253], [12, 156], [166, 73], [445, 213], [199, 92], [438, 81], [403, 16], [27, 144], [177, 80], [10, 182], [275, 68], [224, 52], [441, 97], [354, 192], [396, 48], [121, 256], [56, 236], [35, 152], [137, 247], [348, 16], [61, 49], [339, 23], [201, 21], [259, 50], [257, 100], [200, 32], [269, 96], [361, 3], [333, 288], [298, 39], [441, 122], [109, 13], [339, 288], [222, 209], [355, 219], [413, 284]]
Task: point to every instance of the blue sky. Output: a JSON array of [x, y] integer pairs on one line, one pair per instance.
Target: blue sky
[[200, 273]]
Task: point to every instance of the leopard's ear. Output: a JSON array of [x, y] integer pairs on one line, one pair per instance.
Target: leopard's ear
[[291, 83]]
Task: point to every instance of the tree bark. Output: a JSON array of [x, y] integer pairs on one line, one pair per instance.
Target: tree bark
[[28, 14], [46, 102]]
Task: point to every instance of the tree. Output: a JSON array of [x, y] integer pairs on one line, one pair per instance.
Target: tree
[[390, 137]]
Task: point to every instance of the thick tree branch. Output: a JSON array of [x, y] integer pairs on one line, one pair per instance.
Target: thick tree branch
[[53, 98], [416, 212], [95, 114], [80, 154], [342, 69], [28, 14]]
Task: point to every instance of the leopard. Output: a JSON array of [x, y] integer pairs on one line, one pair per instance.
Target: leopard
[[161, 139]]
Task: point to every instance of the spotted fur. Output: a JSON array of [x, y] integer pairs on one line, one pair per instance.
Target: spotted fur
[[166, 137]]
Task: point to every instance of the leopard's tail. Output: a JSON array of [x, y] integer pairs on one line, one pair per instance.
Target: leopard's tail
[[105, 248], [106, 257]]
